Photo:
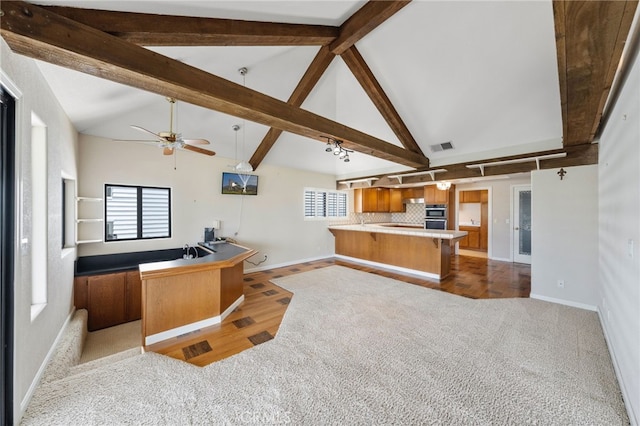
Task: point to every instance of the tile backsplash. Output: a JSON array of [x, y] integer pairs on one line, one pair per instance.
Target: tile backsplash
[[414, 214]]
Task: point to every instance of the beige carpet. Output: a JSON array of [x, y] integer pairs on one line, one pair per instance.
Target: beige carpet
[[357, 348], [112, 340]]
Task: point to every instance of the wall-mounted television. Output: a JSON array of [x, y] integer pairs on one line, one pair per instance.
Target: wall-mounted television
[[239, 184]]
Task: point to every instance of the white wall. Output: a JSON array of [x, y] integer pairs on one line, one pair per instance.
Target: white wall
[[271, 222], [564, 219], [619, 208], [34, 339], [500, 210]]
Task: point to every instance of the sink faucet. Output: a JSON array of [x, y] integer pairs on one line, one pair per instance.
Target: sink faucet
[[186, 254]]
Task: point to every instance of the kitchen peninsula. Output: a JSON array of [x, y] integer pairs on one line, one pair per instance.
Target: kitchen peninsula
[[410, 249], [183, 295]]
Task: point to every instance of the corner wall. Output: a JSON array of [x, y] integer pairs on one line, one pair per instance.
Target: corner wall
[[271, 222], [619, 234], [564, 219], [34, 339]]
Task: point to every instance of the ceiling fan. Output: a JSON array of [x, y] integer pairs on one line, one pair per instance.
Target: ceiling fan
[[170, 141]]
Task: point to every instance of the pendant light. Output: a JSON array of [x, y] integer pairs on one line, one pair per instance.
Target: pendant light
[[243, 166]]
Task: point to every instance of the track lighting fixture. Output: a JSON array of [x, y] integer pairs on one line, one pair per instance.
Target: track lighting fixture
[[335, 146]]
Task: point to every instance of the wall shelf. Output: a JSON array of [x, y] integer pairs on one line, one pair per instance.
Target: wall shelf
[[88, 210]]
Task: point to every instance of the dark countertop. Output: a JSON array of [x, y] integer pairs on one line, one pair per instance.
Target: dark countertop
[[122, 262], [218, 252]]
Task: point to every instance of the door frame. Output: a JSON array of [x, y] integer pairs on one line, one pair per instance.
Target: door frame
[[514, 221], [489, 190], [8, 241]]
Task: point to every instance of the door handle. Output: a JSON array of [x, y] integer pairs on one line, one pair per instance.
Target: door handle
[[516, 228]]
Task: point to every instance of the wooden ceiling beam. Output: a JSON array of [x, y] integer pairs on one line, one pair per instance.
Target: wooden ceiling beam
[[309, 80], [352, 30], [590, 37], [32, 31], [369, 83], [361, 23], [169, 30]]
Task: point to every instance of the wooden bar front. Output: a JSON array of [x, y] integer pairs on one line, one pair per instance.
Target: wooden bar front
[[177, 296], [424, 254]]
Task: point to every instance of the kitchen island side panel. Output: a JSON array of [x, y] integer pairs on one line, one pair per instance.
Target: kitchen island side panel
[[418, 253]]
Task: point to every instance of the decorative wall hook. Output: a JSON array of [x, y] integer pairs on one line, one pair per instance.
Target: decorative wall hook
[[561, 173]]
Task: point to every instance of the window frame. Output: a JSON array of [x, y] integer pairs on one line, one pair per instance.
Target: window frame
[[139, 213], [327, 207]]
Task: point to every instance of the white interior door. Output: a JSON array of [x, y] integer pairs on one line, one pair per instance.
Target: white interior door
[[522, 224]]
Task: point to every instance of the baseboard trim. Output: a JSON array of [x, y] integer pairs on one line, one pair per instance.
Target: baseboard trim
[[501, 259], [280, 265], [564, 302], [390, 267], [36, 380], [184, 329], [633, 418]]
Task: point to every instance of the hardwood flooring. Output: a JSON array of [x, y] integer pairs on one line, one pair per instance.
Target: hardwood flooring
[[257, 320]]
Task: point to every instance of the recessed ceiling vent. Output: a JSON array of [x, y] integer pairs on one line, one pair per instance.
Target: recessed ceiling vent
[[441, 146]]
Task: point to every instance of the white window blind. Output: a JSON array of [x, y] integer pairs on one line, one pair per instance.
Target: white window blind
[[320, 203], [155, 212], [135, 212]]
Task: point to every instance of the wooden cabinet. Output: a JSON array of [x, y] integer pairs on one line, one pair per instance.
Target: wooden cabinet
[[433, 195], [106, 300], [471, 196], [472, 240], [395, 201], [110, 299], [371, 200], [414, 192], [133, 296]]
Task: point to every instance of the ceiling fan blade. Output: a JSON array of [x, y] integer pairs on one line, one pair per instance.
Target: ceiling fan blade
[[167, 151], [199, 150], [142, 129], [196, 141]]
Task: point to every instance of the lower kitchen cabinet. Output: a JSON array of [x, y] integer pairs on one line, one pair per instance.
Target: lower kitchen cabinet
[[133, 297], [472, 240], [110, 299]]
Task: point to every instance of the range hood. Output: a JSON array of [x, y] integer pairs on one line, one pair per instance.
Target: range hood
[[413, 201]]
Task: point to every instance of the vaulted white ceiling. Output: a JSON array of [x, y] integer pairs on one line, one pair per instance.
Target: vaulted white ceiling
[[481, 74]]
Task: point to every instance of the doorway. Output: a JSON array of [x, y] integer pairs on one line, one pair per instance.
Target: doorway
[[521, 230], [7, 250], [473, 216]]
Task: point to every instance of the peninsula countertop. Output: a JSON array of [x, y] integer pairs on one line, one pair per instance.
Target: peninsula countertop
[[401, 229], [220, 255]]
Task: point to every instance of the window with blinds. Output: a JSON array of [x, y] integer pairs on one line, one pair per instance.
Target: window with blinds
[[137, 212], [319, 203]]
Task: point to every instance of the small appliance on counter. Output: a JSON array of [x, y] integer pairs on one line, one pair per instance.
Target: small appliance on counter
[[210, 233]]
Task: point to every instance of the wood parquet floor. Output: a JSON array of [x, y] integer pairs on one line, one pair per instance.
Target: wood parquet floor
[[257, 320]]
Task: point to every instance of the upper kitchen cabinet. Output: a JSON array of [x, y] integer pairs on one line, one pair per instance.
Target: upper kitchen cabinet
[[471, 197], [433, 195], [395, 201], [371, 200]]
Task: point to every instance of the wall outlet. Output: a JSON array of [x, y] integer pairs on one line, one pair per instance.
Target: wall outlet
[[560, 283]]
